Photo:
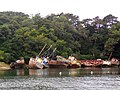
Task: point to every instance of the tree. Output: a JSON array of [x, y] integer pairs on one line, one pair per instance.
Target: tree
[[114, 38]]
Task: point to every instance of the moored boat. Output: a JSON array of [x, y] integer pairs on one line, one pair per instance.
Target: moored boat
[[106, 63], [18, 64], [115, 62], [99, 62], [91, 63], [57, 64], [37, 63], [62, 62], [110, 63]]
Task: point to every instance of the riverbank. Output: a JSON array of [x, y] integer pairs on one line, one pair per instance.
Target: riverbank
[[4, 66]]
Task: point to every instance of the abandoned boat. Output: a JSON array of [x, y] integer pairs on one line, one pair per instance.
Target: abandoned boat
[[37, 63], [18, 64], [62, 62], [91, 63]]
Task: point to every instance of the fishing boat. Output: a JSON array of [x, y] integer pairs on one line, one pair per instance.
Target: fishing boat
[[62, 62], [57, 64], [110, 63], [91, 63], [115, 62], [37, 63], [18, 64]]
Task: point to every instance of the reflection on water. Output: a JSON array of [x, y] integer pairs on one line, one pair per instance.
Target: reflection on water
[[38, 72], [20, 72], [61, 72], [61, 79], [101, 71]]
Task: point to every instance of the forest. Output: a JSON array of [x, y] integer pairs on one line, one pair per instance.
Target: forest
[[22, 35]]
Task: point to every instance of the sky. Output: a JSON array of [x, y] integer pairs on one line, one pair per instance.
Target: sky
[[82, 8]]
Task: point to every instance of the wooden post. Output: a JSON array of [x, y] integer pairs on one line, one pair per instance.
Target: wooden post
[[110, 55]]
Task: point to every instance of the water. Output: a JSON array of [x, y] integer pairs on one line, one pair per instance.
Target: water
[[61, 79]]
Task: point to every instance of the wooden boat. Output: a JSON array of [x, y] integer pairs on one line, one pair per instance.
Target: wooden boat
[[77, 65], [110, 63], [106, 63], [57, 64], [37, 64], [91, 63], [18, 64], [99, 62], [63, 63], [115, 62]]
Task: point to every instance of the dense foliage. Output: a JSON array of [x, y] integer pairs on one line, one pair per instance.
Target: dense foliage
[[25, 36]]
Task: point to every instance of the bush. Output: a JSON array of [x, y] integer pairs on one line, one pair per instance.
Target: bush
[[4, 57], [86, 57]]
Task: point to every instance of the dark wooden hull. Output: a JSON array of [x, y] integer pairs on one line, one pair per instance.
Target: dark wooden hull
[[14, 65], [74, 66], [59, 64]]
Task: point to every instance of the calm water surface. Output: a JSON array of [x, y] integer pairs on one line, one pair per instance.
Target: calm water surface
[[61, 79]]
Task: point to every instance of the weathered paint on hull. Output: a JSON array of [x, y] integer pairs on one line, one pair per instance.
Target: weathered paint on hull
[[17, 65]]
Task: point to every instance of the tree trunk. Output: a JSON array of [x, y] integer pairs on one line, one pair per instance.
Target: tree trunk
[[110, 55]]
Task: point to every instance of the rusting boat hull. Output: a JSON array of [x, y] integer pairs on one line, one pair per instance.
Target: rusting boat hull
[[59, 64], [37, 66], [14, 65], [91, 63], [73, 66]]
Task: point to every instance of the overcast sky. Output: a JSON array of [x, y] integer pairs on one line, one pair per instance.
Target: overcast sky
[[83, 8]]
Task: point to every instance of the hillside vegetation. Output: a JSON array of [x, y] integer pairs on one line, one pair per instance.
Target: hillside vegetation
[[24, 36]]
